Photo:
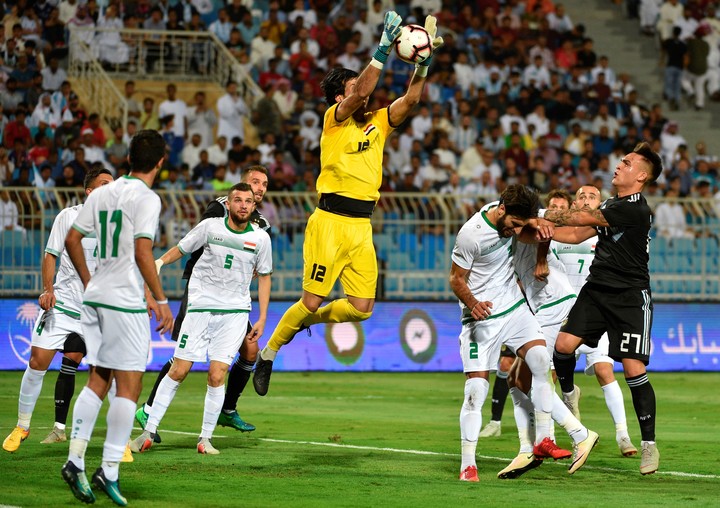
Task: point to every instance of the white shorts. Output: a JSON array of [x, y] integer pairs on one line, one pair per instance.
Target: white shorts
[[214, 335], [116, 340], [52, 329], [551, 320], [595, 355], [480, 341]]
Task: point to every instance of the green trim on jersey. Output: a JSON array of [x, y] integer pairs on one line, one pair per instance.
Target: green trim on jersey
[[556, 302], [81, 230], [52, 251], [111, 307], [484, 216], [144, 235], [181, 251], [71, 313], [130, 177], [221, 311], [247, 229], [468, 320]]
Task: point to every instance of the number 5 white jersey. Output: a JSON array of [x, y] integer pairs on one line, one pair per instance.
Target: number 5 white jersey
[[576, 259], [118, 214], [220, 280]]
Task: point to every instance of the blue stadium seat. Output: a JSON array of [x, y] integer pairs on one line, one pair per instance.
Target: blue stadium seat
[[384, 244], [408, 242], [683, 245], [400, 261], [658, 246]]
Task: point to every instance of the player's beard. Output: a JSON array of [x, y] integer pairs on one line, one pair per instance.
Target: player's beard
[[359, 114], [239, 218], [502, 228]]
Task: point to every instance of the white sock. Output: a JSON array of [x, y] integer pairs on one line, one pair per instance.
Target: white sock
[[85, 413], [268, 354], [214, 398], [476, 390], [616, 405], [562, 415], [30, 389], [538, 361], [112, 391], [163, 397], [59, 426], [524, 419], [120, 418]]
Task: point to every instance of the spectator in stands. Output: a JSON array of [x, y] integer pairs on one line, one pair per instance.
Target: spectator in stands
[[232, 111], [203, 173], [285, 98], [7, 167], [149, 117], [53, 75], [68, 178], [178, 109], [111, 49], [81, 44], [67, 10], [698, 51], [222, 26], [201, 120], [218, 152], [670, 216], [17, 130], [116, 150], [682, 171]]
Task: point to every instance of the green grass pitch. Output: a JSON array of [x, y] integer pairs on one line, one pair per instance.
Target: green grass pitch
[[374, 439]]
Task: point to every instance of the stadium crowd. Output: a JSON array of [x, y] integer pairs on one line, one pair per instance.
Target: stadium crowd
[[518, 94]]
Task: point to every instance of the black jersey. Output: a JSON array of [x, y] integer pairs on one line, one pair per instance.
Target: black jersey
[[217, 208], [621, 254]]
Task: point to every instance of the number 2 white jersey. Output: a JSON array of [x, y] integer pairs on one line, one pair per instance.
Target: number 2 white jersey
[[220, 280], [118, 213], [541, 294], [576, 259], [488, 257], [68, 286]]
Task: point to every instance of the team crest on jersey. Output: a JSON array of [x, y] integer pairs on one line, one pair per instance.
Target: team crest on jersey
[[249, 247]]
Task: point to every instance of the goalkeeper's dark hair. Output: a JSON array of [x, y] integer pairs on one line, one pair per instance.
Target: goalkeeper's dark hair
[[520, 201], [651, 157], [334, 83]]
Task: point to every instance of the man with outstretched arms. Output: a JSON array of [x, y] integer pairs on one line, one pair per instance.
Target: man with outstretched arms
[[616, 297], [124, 217], [576, 260], [494, 312], [233, 250], [58, 326], [338, 238], [257, 178]]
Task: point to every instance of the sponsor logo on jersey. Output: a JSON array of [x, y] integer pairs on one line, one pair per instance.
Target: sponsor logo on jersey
[[218, 239]]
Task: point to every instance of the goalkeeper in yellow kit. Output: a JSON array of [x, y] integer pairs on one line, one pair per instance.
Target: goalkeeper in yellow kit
[[338, 237]]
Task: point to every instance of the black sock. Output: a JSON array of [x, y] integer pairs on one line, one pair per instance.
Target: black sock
[[643, 397], [238, 378], [64, 389], [565, 370], [163, 372], [499, 395]]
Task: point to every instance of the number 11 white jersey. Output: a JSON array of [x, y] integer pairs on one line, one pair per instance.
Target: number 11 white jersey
[[118, 213], [577, 260]]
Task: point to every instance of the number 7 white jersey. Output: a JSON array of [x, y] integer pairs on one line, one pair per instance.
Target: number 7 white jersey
[[576, 259], [118, 214]]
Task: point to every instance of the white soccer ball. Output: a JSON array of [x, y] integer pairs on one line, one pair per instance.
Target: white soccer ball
[[413, 45]]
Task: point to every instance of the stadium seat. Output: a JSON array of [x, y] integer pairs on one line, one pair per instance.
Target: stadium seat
[[408, 242], [400, 261]]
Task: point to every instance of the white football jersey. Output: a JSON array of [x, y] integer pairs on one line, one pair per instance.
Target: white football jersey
[[541, 294], [118, 214], [576, 260], [488, 257], [68, 287], [220, 280]]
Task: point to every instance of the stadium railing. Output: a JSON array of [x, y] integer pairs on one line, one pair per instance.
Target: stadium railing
[[413, 234], [151, 55]]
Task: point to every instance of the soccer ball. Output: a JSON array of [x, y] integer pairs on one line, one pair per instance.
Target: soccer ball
[[413, 45]]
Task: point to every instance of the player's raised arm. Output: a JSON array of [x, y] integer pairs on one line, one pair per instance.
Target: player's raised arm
[[360, 91], [402, 106]]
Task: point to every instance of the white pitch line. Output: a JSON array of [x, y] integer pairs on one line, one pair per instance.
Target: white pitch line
[[427, 452]]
